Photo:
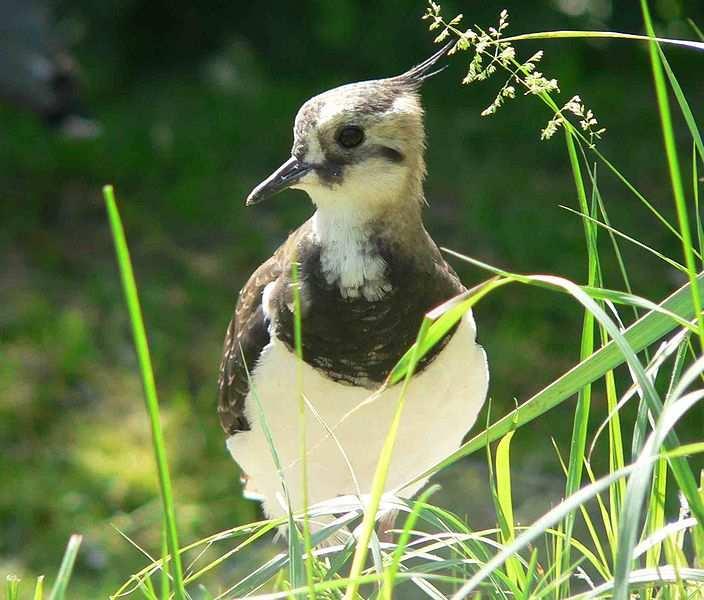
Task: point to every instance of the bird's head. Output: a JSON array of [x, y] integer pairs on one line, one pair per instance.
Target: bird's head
[[360, 144]]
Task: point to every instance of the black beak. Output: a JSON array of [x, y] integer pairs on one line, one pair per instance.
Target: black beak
[[284, 177]]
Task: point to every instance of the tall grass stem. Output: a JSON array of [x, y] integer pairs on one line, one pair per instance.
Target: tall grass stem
[[150, 395], [674, 167]]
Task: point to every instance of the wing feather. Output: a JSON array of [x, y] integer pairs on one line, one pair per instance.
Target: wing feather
[[246, 337]]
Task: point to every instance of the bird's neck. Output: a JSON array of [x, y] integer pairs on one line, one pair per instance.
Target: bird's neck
[[349, 236], [356, 210], [360, 213]]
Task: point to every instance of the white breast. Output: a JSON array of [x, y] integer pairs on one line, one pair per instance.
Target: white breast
[[442, 404], [348, 257]]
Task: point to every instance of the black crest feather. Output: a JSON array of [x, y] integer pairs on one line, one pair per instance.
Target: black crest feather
[[422, 71]]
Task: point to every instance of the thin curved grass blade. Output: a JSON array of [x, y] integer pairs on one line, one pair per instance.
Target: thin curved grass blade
[[58, 590], [646, 330], [576, 34], [647, 577], [12, 587], [39, 589], [150, 394], [639, 483], [674, 164], [440, 320], [666, 421]]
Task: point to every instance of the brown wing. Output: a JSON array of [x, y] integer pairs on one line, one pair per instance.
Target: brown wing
[[246, 337]]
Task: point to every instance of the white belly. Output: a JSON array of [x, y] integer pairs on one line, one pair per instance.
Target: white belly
[[442, 404]]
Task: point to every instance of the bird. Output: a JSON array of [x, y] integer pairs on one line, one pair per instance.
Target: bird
[[368, 272]]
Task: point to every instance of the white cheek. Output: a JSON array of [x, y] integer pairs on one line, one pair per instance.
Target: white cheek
[[375, 179], [371, 183]]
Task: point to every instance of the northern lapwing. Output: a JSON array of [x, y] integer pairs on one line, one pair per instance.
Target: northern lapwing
[[369, 271]]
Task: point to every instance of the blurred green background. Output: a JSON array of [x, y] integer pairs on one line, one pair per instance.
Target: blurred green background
[[196, 101]]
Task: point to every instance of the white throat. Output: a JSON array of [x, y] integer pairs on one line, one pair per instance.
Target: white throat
[[348, 255]]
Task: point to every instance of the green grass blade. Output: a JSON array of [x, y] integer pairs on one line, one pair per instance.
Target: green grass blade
[[656, 504], [612, 237], [147, 589], [666, 531], [503, 483], [698, 531], [295, 548], [503, 530], [58, 591], [150, 591], [616, 445], [687, 450], [12, 587], [674, 167], [640, 428], [616, 297], [392, 570], [530, 574], [602, 564], [696, 29], [150, 395], [648, 329], [641, 198], [571, 34], [638, 485], [261, 575], [463, 302], [514, 568], [297, 576], [441, 319], [615, 232], [684, 105], [676, 559], [616, 456], [581, 414], [652, 578], [164, 581], [39, 589], [538, 528], [296, 567], [254, 531], [697, 213], [637, 471], [324, 588], [623, 347], [605, 516]]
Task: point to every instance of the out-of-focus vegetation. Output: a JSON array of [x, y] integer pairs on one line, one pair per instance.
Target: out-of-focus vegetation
[[196, 104]]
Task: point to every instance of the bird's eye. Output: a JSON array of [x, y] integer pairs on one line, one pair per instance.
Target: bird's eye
[[350, 136]]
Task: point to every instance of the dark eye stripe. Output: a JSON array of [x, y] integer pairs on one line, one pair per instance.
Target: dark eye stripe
[[350, 136]]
